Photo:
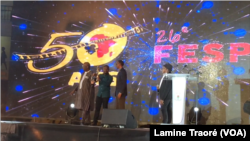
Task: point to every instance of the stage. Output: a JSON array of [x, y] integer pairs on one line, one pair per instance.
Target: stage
[[28, 131]]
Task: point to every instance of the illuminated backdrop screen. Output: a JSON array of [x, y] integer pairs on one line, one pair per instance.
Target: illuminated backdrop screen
[[51, 40]]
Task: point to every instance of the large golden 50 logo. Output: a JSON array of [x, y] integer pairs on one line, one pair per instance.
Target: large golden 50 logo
[[98, 47], [103, 40]]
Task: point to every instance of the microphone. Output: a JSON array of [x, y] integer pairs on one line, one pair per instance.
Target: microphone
[[198, 72], [195, 70], [183, 67]]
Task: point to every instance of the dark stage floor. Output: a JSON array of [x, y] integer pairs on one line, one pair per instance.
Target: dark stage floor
[[21, 131]]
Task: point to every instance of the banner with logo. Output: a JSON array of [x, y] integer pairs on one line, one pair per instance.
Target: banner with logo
[[51, 40]]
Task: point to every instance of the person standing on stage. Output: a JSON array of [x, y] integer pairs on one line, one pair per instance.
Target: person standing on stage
[[165, 92], [85, 94], [103, 94], [121, 85]]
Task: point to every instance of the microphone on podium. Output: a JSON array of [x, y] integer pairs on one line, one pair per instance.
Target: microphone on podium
[[195, 70], [183, 67]]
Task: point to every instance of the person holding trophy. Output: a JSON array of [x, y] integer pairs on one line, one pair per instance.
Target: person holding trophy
[[103, 94]]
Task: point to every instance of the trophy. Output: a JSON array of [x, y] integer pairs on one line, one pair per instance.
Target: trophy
[[95, 74]]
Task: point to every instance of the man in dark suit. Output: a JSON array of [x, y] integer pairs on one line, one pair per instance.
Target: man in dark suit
[[165, 92], [121, 85]]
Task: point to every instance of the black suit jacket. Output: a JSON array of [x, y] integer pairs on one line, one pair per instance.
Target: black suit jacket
[[121, 83], [165, 90]]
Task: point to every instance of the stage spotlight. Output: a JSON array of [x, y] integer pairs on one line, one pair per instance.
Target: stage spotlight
[[71, 113], [196, 109], [191, 116]]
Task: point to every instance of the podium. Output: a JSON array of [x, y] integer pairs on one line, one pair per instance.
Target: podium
[[179, 85]]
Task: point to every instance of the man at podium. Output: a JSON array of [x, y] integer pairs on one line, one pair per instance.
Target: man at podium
[[165, 93]]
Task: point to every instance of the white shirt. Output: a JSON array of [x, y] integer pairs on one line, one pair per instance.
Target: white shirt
[[83, 77], [164, 75]]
